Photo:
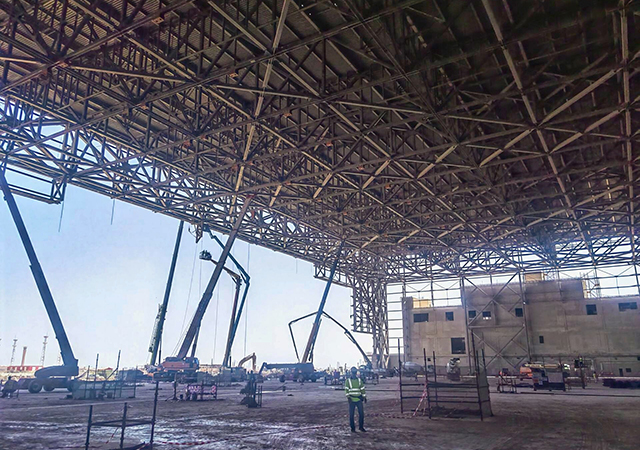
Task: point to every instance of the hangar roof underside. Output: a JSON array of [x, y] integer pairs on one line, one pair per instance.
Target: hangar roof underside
[[435, 137]]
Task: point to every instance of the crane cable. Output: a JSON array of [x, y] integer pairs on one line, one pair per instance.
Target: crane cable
[[215, 329], [246, 306], [186, 309]]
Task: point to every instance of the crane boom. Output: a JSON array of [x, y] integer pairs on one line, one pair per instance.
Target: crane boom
[[70, 367], [162, 312], [208, 293]]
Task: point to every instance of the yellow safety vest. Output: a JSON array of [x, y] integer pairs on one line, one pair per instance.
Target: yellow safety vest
[[354, 389]]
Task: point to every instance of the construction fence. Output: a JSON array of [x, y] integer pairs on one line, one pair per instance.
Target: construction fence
[[434, 390]]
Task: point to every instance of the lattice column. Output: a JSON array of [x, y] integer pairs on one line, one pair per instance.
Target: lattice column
[[370, 315]]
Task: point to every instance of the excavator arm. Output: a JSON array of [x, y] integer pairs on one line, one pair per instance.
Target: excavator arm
[[251, 357]]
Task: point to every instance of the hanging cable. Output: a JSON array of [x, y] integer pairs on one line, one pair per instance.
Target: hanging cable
[[186, 309], [215, 328], [200, 274], [61, 213], [113, 208]]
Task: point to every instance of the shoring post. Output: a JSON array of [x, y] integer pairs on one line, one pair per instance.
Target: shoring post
[[435, 376], [426, 380], [400, 377], [153, 417], [466, 319], [484, 367], [477, 363], [87, 441], [524, 315], [124, 425]]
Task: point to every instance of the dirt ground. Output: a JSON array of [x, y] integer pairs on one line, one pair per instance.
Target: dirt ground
[[314, 416]]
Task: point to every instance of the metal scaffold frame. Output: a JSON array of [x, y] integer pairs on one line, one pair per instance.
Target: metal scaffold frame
[[509, 296]]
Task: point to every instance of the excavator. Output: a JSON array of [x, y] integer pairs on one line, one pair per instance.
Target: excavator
[[237, 373], [252, 358], [51, 377]]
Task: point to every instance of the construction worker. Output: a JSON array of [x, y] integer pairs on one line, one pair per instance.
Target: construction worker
[[9, 388], [354, 390]]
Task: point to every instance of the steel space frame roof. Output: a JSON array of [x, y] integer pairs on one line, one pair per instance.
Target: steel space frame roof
[[435, 137]]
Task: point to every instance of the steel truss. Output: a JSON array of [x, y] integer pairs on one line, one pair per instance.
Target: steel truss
[[433, 137]]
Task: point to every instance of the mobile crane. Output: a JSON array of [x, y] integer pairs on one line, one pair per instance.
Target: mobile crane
[[50, 377], [189, 365], [156, 336], [186, 368]]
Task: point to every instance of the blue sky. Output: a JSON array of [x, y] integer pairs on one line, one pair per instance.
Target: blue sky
[[107, 280]]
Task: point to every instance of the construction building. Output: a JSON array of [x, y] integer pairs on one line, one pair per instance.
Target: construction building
[[534, 321]]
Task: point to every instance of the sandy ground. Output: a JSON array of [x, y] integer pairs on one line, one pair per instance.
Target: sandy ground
[[314, 416]]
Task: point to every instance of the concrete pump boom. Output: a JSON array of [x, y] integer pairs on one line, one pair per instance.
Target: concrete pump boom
[[346, 332], [308, 351]]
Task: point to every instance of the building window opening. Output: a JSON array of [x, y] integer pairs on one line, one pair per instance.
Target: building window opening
[[541, 339], [449, 316], [472, 314], [457, 346], [519, 312], [486, 315], [627, 306], [592, 310], [422, 317]]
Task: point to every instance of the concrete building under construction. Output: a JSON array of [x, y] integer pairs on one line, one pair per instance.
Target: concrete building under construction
[[534, 321]]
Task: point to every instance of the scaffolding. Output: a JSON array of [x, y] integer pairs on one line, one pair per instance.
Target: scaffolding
[[431, 391]]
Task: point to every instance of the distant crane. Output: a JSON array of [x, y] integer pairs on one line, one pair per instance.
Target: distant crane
[[156, 337], [13, 351], [44, 350]]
